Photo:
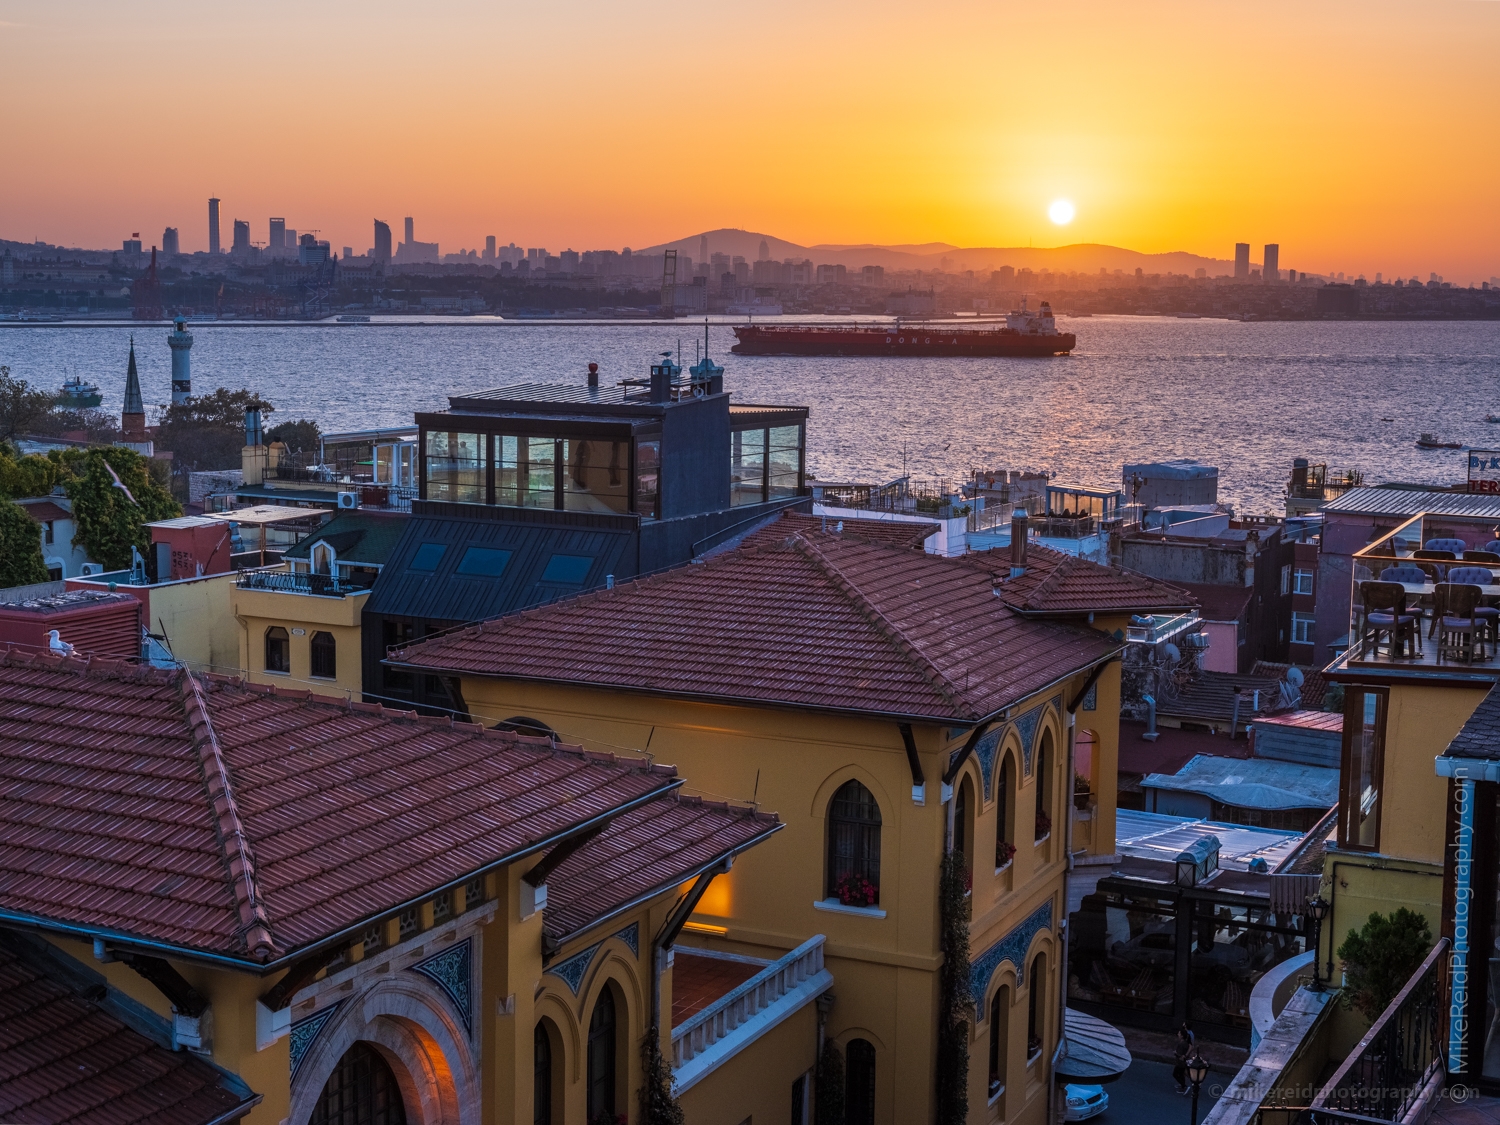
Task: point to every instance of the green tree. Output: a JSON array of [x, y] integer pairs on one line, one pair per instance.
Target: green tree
[[31, 475], [658, 1106], [22, 409], [1380, 958], [208, 431], [300, 436], [108, 521], [20, 547], [955, 999]]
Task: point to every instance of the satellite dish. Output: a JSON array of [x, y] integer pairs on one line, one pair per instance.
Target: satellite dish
[[1172, 651], [1294, 677]]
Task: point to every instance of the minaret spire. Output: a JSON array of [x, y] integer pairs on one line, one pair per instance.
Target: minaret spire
[[133, 416]]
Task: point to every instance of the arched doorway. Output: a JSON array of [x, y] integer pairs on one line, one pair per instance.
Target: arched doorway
[[602, 1070], [360, 1091]]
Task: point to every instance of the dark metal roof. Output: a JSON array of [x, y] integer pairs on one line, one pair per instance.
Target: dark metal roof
[[1480, 736], [1401, 502], [441, 593], [356, 537]]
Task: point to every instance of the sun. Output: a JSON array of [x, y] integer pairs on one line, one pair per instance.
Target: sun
[[1061, 212]]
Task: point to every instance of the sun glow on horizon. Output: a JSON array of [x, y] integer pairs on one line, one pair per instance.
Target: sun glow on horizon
[[1061, 212]]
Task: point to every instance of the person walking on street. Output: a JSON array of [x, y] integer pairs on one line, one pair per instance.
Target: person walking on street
[[1184, 1049]]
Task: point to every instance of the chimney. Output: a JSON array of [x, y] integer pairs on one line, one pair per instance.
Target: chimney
[[1018, 533], [661, 381], [593, 376], [1299, 477]]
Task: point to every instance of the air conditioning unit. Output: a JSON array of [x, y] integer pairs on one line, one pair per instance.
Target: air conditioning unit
[[348, 500], [91, 568]]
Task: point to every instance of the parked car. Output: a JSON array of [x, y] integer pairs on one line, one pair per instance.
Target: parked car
[[1084, 1102]]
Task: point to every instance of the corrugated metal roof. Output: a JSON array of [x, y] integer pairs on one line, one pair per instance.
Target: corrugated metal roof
[[1157, 836], [1404, 502], [1252, 783], [440, 592]]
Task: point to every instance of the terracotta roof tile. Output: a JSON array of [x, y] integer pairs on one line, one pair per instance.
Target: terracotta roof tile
[[281, 820], [645, 852], [1314, 684], [820, 621], [69, 1060], [1056, 584]]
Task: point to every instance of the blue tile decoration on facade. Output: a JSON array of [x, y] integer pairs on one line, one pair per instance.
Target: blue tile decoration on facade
[[1026, 726], [451, 971], [631, 936], [574, 967], [304, 1033], [984, 750], [1012, 947]]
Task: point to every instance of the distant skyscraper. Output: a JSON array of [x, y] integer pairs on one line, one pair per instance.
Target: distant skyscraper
[[170, 244], [703, 248], [132, 245], [241, 243], [489, 247], [1242, 261], [181, 343], [411, 229], [1270, 267], [213, 226], [383, 241], [277, 240], [765, 251]]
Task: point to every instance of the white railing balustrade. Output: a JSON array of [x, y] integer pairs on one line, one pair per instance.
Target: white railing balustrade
[[788, 983]]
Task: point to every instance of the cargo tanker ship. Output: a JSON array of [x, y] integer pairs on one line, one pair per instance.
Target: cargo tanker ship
[[1021, 333]]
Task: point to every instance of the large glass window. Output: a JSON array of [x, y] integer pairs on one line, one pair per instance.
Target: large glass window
[[647, 478], [324, 650], [455, 466], [360, 1091], [1005, 812], [278, 650], [999, 1039], [596, 476], [854, 846], [1036, 1016], [1360, 775], [1044, 788], [784, 462], [747, 467], [536, 472]]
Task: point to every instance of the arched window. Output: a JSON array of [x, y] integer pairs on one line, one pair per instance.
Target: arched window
[[322, 558], [1005, 812], [360, 1091], [541, 1096], [324, 650], [1044, 786], [854, 846], [963, 822], [1036, 1017], [601, 1075], [999, 1038], [859, 1083], [523, 724], [278, 650]]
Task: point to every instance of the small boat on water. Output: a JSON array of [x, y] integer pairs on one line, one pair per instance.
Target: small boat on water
[[1492, 417], [1432, 441], [354, 320], [77, 394]]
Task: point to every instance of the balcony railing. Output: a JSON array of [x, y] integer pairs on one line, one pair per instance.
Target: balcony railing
[[282, 582], [738, 1018], [1396, 1061]]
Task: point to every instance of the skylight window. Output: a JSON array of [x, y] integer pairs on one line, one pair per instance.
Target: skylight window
[[567, 570], [483, 562], [427, 557]]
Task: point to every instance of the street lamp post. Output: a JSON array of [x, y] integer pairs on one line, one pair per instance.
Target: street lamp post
[[1317, 910], [1197, 1069]]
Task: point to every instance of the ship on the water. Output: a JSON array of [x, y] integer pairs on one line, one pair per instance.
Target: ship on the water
[[77, 394], [1020, 333]]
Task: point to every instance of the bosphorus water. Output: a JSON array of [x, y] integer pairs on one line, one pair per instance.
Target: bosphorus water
[[1247, 397]]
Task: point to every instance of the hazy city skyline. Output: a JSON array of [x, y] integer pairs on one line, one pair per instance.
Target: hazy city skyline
[[531, 125]]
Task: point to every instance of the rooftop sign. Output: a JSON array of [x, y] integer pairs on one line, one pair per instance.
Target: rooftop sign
[[1484, 470]]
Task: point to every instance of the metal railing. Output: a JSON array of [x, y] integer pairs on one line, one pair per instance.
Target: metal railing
[[1401, 1053], [280, 581], [765, 989]]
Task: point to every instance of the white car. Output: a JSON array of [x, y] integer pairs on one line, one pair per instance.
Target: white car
[[1084, 1102]]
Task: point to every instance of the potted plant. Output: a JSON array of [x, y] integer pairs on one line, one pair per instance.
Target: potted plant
[[1043, 824], [853, 889], [1081, 792], [1005, 851]]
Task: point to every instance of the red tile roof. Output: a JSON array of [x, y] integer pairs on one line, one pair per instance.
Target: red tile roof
[[1220, 603], [1314, 685], [699, 980], [66, 1058], [1059, 585], [646, 852], [1173, 749], [816, 621], [898, 533], [44, 510], [234, 819]]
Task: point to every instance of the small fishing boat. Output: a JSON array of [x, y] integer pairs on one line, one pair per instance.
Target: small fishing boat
[[77, 394], [1432, 441], [1492, 417]]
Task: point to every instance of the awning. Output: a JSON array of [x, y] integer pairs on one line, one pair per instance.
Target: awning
[[1091, 1050]]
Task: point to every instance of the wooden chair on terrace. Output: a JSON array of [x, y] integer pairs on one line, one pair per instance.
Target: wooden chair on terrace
[[1455, 621], [1385, 612], [1489, 615], [1487, 557]]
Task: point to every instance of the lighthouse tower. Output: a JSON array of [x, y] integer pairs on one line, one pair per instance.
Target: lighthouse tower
[[181, 343]]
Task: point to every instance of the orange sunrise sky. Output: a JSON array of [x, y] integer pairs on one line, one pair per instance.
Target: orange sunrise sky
[[1361, 136]]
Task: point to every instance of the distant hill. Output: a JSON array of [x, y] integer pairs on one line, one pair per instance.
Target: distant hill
[[1080, 258]]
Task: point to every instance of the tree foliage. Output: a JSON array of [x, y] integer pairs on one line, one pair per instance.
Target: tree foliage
[[658, 1106], [955, 1000], [829, 1086], [208, 431], [108, 522], [22, 409], [21, 561], [300, 436], [31, 475], [1380, 957]]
